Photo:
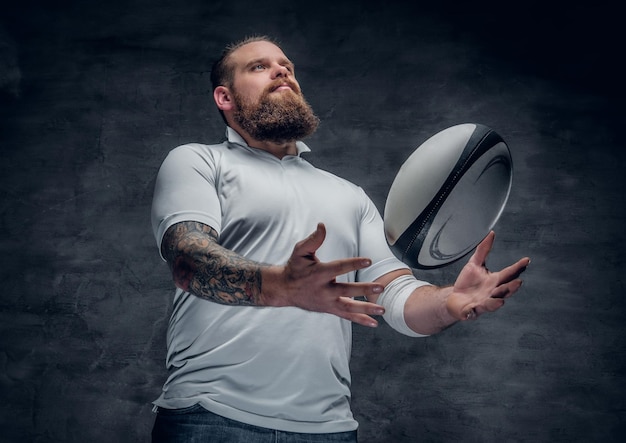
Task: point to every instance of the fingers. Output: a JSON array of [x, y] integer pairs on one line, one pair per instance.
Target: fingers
[[309, 246], [353, 310], [514, 271], [506, 290], [361, 319], [490, 305], [343, 266], [482, 250], [312, 284], [508, 279], [503, 284], [351, 290], [359, 311], [352, 306]]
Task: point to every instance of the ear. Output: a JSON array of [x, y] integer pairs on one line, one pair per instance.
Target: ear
[[223, 98]]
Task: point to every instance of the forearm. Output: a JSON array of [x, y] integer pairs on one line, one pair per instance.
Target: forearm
[[426, 311], [204, 268]]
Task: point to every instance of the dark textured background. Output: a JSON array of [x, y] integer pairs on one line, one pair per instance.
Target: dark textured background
[[93, 94]]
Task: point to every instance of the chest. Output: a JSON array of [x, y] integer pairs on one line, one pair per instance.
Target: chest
[[282, 202]]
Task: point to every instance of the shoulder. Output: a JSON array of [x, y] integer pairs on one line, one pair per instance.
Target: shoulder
[[194, 154], [197, 149]]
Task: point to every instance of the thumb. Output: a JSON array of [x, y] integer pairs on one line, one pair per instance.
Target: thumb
[[310, 245]]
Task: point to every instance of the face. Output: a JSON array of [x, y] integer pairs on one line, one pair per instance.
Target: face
[[266, 98], [259, 67]]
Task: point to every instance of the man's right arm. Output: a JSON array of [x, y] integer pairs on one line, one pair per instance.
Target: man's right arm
[[201, 266]]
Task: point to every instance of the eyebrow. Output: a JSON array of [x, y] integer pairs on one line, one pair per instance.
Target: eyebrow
[[283, 61]]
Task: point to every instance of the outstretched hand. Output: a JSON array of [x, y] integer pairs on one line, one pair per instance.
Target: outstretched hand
[[477, 290], [310, 284]]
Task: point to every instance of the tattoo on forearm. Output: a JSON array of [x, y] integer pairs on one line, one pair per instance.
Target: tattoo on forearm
[[206, 269]]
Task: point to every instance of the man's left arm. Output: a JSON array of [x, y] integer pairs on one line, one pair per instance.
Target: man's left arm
[[430, 309]]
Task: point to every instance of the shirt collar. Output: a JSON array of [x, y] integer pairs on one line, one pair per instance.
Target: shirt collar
[[234, 137]]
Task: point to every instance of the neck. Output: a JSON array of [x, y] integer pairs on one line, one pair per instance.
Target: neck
[[278, 149]]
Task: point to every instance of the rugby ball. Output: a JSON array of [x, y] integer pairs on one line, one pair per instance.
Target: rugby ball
[[448, 195]]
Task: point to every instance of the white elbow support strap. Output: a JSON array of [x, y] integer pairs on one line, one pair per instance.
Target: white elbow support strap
[[393, 299]]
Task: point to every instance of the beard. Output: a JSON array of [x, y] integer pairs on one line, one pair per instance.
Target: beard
[[278, 118]]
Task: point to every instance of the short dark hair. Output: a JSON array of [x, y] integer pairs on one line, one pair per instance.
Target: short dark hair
[[222, 72]]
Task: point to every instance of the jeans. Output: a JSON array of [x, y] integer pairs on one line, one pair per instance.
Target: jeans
[[197, 425]]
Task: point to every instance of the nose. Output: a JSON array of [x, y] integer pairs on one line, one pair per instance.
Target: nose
[[280, 71]]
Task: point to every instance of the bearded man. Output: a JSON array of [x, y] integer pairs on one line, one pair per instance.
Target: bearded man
[[260, 334]]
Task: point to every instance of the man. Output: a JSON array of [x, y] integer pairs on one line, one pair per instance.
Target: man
[[260, 335]]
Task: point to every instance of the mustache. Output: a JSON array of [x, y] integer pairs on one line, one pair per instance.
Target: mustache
[[283, 81]]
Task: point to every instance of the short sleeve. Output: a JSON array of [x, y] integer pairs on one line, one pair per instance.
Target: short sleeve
[[185, 190], [373, 244]]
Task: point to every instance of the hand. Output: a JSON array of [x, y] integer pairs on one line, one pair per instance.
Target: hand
[[309, 284], [477, 290]]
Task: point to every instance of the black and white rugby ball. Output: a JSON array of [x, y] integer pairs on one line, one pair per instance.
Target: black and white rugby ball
[[448, 195]]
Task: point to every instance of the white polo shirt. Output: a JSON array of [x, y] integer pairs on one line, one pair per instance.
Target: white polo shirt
[[280, 368]]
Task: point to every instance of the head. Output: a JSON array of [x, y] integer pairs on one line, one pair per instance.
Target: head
[[255, 89], [223, 71]]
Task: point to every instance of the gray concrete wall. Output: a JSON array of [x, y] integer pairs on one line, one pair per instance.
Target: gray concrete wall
[[94, 94]]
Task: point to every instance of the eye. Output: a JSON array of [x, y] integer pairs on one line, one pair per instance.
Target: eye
[[258, 67]]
